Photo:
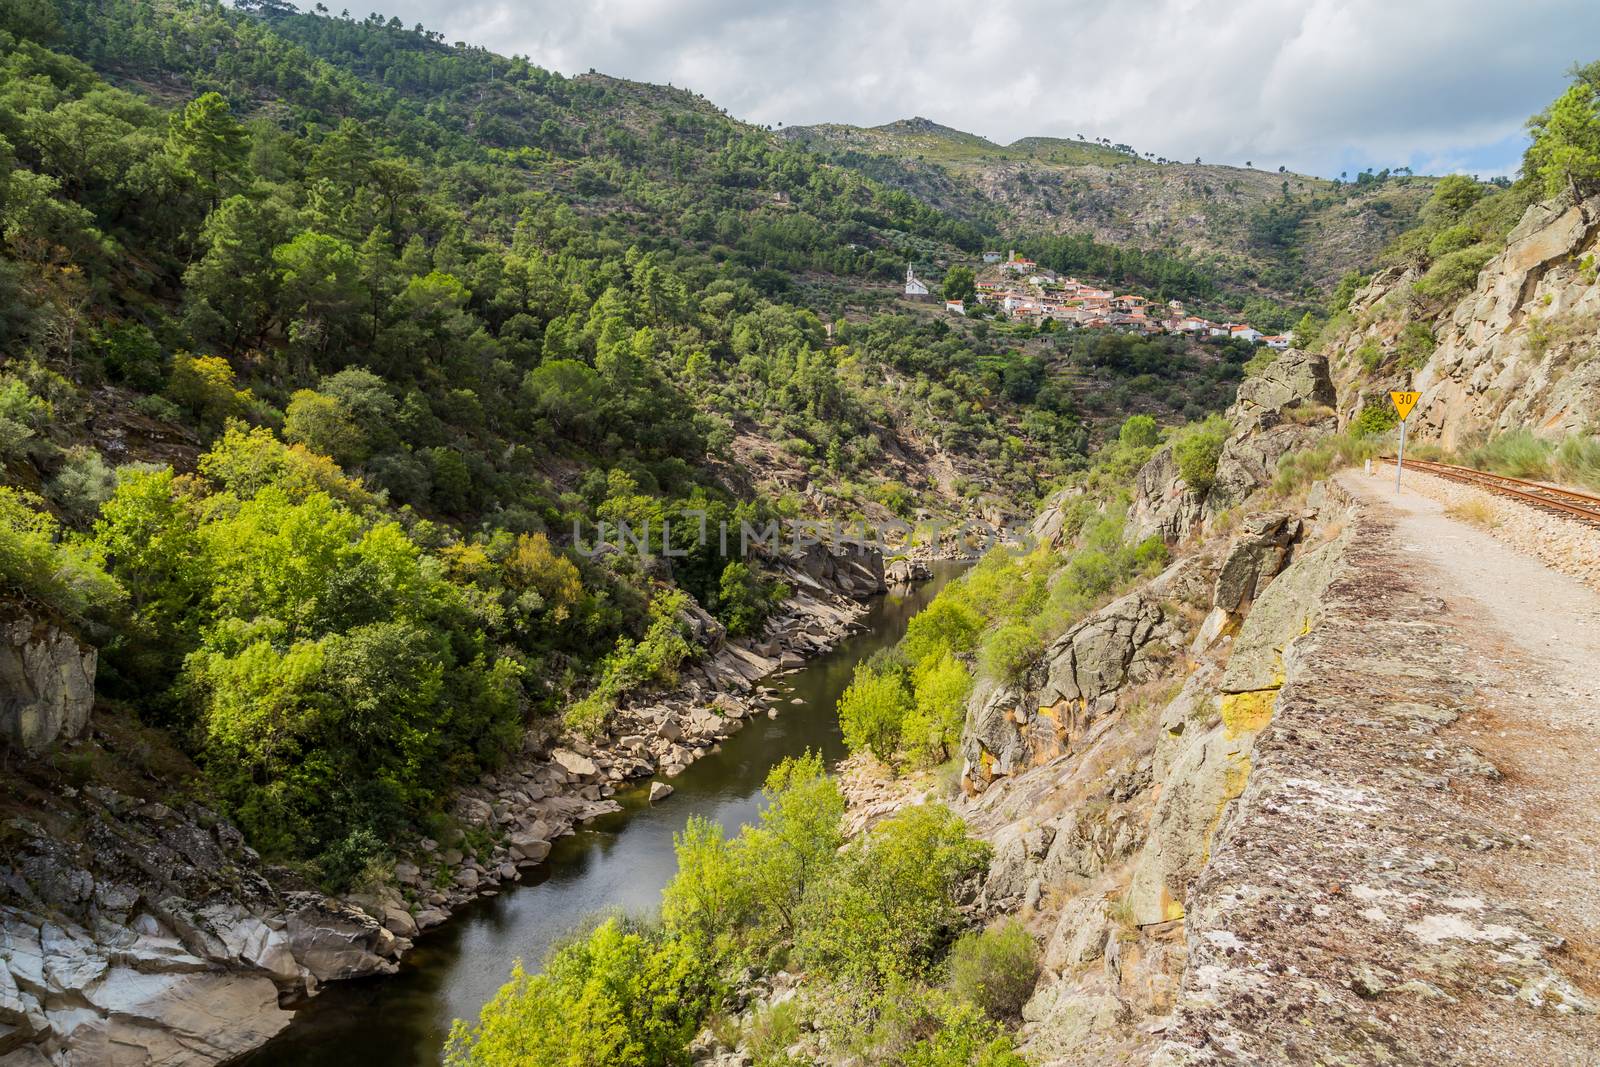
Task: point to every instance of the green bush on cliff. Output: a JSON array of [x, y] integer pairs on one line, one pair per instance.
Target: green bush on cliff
[[1377, 418], [1009, 651], [1196, 450], [995, 969]]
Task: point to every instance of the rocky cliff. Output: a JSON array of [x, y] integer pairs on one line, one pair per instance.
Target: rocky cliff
[[1516, 352], [1286, 407], [46, 681], [1106, 777]]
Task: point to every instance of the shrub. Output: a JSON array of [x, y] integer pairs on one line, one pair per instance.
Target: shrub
[[884, 909], [744, 600], [132, 355], [653, 660], [932, 725], [1376, 418], [22, 416], [60, 575], [1578, 460], [1197, 451], [947, 625], [1009, 651], [1415, 345], [1139, 431], [83, 484], [1519, 454], [1453, 276], [204, 386], [995, 969], [624, 996]]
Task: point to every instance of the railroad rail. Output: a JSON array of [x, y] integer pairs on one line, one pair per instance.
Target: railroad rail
[[1565, 502]]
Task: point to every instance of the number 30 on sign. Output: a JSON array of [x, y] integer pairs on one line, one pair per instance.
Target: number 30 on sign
[[1404, 402]]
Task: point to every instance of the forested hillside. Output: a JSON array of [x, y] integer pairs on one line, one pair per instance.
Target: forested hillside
[[1251, 236], [320, 336]]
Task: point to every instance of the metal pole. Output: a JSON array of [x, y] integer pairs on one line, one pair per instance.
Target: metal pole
[[1401, 458]]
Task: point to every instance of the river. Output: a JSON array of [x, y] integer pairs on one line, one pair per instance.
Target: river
[[619, 862]]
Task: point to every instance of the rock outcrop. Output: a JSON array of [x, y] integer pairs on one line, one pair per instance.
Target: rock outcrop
[[1104, 777], [1078, 680], [135, 932], [46, 681], [1286, 407], [1514, 353]]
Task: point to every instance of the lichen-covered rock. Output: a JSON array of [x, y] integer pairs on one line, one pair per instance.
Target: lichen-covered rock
[[46, 682], [1089, 663], [1079, 935], [1250, 461], [1205, 769], [1285, 611], [1255, 555], [1296, 381], [1010, 728]]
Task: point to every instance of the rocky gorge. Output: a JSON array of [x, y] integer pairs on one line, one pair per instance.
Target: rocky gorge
[[137, 926]]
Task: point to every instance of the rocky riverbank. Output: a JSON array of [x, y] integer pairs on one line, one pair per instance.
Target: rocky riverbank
[[139, 928]]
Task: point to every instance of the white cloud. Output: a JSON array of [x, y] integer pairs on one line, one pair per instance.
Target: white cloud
[[1317, 85]]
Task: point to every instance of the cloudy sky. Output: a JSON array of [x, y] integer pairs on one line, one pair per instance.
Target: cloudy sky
[[1320, 86]]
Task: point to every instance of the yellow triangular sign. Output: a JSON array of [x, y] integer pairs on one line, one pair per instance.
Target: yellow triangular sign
[[1404, 402]]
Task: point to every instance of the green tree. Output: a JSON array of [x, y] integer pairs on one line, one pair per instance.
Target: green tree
[[960, 284], [872, 710], [210, 143], [320, 283], [1565, 152], [887, 906], [205, 386]]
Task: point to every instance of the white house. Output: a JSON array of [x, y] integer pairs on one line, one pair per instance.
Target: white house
[[991, 257], [1242, 332], [956, 306], [1276, 340], [916, 288]]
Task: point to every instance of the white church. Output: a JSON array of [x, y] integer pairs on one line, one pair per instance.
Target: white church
[[916, 288]]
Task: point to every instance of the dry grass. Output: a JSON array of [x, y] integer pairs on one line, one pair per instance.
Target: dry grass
[[1476, 511]]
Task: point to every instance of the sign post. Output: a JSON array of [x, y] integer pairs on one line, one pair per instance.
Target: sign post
[[1403, 403]]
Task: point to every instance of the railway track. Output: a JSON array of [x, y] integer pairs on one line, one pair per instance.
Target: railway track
[[1561, 501]]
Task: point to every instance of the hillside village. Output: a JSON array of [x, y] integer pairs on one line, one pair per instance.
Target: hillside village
[[1021, 290]]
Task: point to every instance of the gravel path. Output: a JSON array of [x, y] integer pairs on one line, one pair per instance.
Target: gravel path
[[1571, 546], [1532, 639]]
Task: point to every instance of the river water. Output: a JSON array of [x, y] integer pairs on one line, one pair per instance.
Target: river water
[[619, 862]]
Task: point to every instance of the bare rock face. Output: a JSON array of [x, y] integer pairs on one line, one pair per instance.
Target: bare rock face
[[1012, 728], [1294, 382], [1287, 407], [135, 932], [1514, 353], [1254, 557], [46, 682], [1163, 504], [853, 570]]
